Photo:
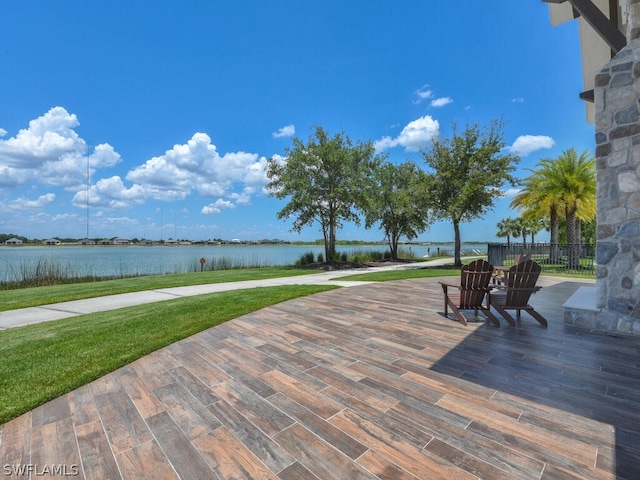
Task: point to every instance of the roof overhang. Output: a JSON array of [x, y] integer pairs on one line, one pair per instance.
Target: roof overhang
[[601, 27]]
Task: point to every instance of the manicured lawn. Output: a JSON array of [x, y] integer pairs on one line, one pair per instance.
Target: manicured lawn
[[41, 362], [33, 297], [391, 275]]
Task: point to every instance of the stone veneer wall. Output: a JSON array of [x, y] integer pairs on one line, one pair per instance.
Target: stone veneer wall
[[617, 102]]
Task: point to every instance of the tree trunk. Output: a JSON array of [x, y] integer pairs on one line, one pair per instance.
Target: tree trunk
[[456, 230], [332, 239], [325, 234], [554, 255], [574, 247], [394, 248]]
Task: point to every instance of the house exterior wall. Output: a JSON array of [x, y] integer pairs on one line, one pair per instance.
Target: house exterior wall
[[617, 102]]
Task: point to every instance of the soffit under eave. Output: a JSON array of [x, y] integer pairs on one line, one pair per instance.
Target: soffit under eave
[[594, 51]]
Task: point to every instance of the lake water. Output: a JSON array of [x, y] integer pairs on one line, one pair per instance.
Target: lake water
[[148, 260]]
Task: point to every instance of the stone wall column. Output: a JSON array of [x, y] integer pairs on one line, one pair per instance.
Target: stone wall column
[[633, 19], [617, 102]]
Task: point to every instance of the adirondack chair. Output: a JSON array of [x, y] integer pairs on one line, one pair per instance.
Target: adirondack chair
[[498, 274], [518, 284], [470, 294]]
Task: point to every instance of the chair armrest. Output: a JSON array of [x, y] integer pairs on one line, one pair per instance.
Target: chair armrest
[[516, 289]]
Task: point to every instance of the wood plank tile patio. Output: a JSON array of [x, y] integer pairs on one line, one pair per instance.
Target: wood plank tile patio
[[368, 382]]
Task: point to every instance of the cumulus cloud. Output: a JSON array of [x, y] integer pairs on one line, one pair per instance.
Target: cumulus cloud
[[526, 144], [414, 136], [288, 131], [198, 166], [25, 203], [216, 207], [441, 102], [50, 152], [111, 193]]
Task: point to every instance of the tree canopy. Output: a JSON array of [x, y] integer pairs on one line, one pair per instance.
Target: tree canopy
[[469, 171], [324, 179], [561, 188], [398, 201]]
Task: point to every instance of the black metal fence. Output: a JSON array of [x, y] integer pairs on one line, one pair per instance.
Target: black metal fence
[[576, 259]]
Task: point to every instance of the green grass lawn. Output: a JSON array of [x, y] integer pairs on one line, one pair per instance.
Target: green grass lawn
[[33, 297], [43, 361], [391, 275]]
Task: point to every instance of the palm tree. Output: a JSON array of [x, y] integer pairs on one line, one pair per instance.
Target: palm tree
[[508, 227], [534, 225], [523, 229], [564, 187], [503, 230], [537, 200]]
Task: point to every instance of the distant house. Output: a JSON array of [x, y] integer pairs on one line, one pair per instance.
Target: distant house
[[52, 241], [105, 241], [87, 241], [13, 241], [121, 241], [144, 241], [171, 241]]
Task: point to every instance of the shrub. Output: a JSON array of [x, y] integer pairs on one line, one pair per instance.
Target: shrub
[[305, 259]]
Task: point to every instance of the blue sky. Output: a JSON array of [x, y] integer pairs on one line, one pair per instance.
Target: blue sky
[[178, 104]]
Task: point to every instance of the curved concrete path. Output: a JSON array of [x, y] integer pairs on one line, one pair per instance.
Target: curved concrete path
[[45, 313]]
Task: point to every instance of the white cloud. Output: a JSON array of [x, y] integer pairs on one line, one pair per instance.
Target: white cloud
[[216, 207], [423, 93], [441, 102], [24, 203], [111, 193], [50, 152], [511, 192], [47, 138], [517, 100], [415, 136], [526, 144], [198, 166], [287, 131]]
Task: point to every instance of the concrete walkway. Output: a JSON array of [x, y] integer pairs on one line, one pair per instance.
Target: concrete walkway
[[45, 313]]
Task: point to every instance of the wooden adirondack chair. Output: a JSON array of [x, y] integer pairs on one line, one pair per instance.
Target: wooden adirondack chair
[[498, 274], [519, 283], [470, 294]]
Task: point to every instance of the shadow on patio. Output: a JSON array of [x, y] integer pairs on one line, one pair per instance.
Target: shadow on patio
[[577, 392]]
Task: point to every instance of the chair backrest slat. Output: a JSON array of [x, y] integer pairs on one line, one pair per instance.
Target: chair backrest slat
[[474, 280], [523, 276]]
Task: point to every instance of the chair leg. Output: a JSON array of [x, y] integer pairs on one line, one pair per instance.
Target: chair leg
[[504, 313], [446, 299], [538, 317], [457, 312], [491, 317]]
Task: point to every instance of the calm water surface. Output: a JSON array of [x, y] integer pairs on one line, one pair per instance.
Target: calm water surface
[[148, 260]]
